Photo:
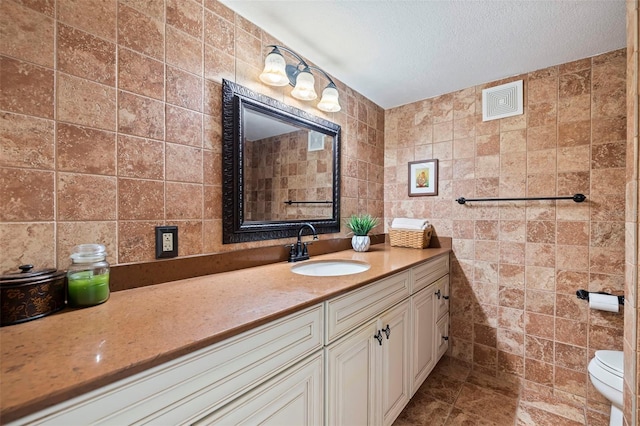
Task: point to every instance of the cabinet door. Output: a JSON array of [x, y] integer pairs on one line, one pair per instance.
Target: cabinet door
[[442, 336], [442, 296], [394, 372], [351, 397], [424, 355], [292, 398]]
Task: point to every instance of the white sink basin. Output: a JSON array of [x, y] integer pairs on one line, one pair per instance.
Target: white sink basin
[[330, 268]]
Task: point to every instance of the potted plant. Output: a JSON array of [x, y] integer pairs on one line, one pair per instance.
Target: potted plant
[[360, 225]]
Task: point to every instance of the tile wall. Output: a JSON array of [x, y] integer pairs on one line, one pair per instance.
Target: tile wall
[[631, 343], [110, 125], [517, 265]]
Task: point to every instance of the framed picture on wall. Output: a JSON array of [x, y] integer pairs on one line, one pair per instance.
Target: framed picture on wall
[[423, 178]]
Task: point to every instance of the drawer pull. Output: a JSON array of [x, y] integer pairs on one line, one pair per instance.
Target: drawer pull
[[437, 293], [387, 331], [379, 337], [445, 297], [445, 337]]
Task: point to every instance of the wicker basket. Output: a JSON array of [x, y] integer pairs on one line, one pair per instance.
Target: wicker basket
[[410, 238]]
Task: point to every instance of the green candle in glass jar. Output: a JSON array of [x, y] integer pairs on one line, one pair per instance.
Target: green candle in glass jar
[[88, 276], [87, 289]]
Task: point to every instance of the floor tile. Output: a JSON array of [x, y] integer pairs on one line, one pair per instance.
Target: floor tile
[[490, 405], [423, 410], [441, 387], [532, 416]]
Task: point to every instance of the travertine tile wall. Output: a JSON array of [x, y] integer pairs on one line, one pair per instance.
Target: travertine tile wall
[[281, 168], [631, 343], [517, 265], [110, 125]]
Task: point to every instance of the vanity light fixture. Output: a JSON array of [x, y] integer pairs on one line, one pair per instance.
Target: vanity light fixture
[[278, 73]]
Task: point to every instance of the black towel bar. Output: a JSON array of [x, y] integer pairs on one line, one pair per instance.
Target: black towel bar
[[578, 198]]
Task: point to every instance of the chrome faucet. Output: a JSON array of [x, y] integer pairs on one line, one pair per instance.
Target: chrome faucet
[[298, 251]]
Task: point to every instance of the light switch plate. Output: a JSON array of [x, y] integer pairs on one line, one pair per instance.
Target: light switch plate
[[166, 241]]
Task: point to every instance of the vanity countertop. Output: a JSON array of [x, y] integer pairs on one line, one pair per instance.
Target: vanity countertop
[[52, 359]]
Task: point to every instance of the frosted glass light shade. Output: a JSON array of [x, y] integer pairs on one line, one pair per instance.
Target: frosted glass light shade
[[304, 89], [274, 73], [329, 101]]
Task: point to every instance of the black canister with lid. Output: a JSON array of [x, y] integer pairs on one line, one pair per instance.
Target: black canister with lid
[[31, 294]]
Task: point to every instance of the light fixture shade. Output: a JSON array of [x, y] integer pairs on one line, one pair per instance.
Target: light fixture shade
[[274, 73], [304, 89], [329, 101]]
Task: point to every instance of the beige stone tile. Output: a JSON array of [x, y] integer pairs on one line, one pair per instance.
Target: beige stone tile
[[140, 158], [26, 88], [84, 55], [140, 199], [484, 356], [571, 332], [190, 237], [608, 155], [27, 195], [70, 234], [85, 102], [186, 16], [183, 89], [218, 65], [541, 302], [27, 35], [140, 116], [529, 415], [183, 51], [86, 197], [26, 142], [84, 150], [543, 137], [183, 201], [538, 372], [100, 19], [141, 33], [183, 163], [423, 409], [136, 242], [575, 133], [151, 8], [183, 126], [27, 243], [140, 74], [511, 319], [572, 258]]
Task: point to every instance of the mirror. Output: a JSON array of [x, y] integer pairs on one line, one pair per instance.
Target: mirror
[[281, 168]]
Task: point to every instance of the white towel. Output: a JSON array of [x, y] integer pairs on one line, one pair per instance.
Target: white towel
[[408, 223]]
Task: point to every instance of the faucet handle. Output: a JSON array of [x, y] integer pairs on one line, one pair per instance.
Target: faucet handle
[[292, 252]]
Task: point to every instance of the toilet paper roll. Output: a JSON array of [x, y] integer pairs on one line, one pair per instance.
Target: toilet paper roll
[[603, 302]]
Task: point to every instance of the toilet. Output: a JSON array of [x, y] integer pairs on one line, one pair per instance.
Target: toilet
[[605, 372]]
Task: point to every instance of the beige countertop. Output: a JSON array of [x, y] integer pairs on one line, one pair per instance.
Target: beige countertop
[[52, 359]]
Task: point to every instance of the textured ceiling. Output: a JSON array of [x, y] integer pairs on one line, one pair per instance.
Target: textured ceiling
[[397, 52]]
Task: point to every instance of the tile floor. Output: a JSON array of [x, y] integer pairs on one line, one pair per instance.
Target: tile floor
[[453, 394]]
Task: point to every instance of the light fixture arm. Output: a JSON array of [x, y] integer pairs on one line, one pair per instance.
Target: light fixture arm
[[293, 71]]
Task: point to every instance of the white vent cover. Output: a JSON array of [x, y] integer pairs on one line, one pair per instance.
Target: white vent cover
[[502, 101]]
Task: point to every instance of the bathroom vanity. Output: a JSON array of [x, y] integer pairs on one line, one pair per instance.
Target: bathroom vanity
[[259, 345]]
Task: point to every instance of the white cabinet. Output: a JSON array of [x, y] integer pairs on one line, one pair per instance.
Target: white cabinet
[[294, 397], [352, 383], [424, 356], [395, 363], [430, 309], [193, 386], [368, 371]]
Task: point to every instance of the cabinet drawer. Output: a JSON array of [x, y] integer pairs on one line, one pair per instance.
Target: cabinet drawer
[[290, 398], [441, 291], [424, 275], [196, 383], [344, 313]]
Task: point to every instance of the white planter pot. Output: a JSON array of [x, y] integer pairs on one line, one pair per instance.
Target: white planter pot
[[360, 242]]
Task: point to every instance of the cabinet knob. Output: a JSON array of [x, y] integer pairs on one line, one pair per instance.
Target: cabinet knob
[[445, 297], [445, 337], [387, 331], [437, 293], [378, 336]]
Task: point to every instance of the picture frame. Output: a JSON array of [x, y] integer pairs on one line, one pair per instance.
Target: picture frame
[[423, 178]]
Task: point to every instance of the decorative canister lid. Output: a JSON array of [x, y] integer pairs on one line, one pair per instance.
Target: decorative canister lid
[[27, 274]]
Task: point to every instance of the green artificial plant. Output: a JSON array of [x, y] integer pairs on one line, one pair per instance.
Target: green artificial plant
[[361, 224]]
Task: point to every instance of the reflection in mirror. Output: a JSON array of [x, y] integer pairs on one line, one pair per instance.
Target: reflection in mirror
[[287, 171], [280, 168]]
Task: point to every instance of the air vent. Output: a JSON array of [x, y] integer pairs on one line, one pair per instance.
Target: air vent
[[502, 101]]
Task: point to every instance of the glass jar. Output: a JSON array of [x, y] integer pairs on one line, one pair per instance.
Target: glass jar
[[88, 276]]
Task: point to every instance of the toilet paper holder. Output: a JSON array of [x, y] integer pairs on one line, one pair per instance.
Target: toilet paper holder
[[584, 295]]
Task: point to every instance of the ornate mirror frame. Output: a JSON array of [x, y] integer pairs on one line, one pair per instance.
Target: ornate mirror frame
[[235, 98]]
